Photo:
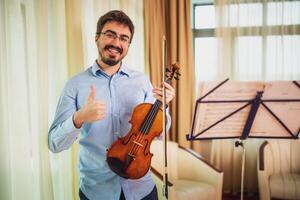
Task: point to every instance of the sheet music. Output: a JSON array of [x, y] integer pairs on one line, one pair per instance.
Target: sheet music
[[231, 90], [230, 127], [288, 112], [264, 124], [210, 113]]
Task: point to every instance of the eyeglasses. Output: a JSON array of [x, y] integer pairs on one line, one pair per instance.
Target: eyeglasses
[[112, 35]]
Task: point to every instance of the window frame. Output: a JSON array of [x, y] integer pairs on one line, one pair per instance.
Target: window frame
[[264, 31], [244, 31]]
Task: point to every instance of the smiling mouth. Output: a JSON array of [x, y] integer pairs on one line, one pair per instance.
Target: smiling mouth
[[113, 50]]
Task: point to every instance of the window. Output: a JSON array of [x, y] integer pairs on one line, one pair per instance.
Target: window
[[263, 45]]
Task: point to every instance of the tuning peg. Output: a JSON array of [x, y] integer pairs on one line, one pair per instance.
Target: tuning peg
[[175, 66], [177, 73]]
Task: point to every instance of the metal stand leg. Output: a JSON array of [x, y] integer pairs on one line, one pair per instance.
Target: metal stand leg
[[237, 144], [243, 172]]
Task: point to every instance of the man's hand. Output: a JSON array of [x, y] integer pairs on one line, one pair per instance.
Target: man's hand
[[92, 111], [170, 92]]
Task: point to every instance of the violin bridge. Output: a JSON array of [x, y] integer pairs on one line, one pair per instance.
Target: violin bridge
[[137, 143]]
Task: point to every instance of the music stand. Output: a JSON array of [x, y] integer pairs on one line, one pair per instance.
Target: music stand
[[246, 116]]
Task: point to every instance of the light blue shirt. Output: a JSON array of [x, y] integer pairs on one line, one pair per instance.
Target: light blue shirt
[[121, 93]]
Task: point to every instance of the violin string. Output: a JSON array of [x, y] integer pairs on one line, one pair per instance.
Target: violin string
[[142, 132], [147, 126], [134, 150], [156, 105]]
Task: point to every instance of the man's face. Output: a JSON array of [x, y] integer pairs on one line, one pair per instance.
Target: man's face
[[113, 49]]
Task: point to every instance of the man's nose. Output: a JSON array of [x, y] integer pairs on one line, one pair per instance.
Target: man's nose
[[116, 41]]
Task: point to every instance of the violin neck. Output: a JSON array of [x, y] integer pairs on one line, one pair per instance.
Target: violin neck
[[147, 124]]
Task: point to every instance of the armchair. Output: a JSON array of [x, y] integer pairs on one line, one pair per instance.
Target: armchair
[[191, 177], [279, 169]]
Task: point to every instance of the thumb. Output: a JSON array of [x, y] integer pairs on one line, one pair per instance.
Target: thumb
[[92, 93]]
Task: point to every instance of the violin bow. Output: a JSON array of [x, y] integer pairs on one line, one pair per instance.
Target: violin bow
[[165, 177]]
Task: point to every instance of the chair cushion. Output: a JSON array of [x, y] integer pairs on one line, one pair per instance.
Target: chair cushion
[[191, 190], [285, 186]]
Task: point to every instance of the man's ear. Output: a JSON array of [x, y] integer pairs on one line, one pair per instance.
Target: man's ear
[[97, 37]]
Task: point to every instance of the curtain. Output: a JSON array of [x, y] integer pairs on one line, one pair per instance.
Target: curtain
[[254, 41], [65, 59], [25, 166], [172, 19], [42, 44]]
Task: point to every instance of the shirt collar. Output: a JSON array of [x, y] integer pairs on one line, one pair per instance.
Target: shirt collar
[[96, 70]]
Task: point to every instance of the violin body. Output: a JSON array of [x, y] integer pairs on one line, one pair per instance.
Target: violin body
[[130, 156]]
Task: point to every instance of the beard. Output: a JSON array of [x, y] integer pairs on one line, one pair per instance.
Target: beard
[[110, 60]]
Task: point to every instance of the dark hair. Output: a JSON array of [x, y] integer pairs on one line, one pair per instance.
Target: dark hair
[[115, 16]]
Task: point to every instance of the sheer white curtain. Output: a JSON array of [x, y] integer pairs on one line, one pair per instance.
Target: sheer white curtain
[[62, 167], [252, 40], [25, 167], [42, 44]]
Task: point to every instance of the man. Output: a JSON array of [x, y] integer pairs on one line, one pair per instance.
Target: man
[[98, 103]]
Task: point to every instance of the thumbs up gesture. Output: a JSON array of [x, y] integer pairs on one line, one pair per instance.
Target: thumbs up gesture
[[92, 111]]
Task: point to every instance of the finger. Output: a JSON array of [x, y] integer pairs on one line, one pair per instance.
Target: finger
[[168, 86], [160, 92], [156, 88], [92, 93], [100, 112], [157, 92], [157, 97], [101, 116], [169, 97], [170, 93], [100, 104]]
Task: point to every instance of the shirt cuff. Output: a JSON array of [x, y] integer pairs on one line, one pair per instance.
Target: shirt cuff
[[69, 127]]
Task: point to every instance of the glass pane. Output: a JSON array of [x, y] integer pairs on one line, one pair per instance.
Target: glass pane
[[204, 16], [249, 14], [282, 58], [248, 59], [205, 59], [286, 13]]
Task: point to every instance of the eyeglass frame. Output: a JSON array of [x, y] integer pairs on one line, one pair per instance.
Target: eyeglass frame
[[115, 36]]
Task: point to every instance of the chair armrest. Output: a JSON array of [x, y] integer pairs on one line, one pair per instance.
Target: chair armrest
[[265, 161], [261, 156], [264, 171], [159, 176], [191, 166], [158, 179]]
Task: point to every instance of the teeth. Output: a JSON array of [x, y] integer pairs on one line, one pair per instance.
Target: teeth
[[113, 50]]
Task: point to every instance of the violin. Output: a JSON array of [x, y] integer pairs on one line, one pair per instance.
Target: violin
[[130, 156]]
